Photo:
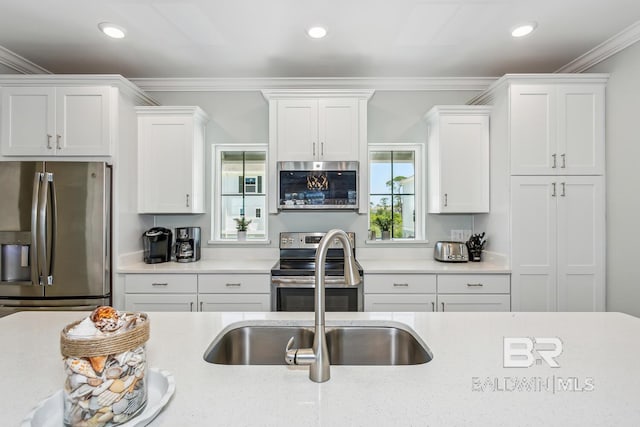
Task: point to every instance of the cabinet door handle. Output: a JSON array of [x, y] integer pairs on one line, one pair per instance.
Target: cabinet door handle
[[554, 161], [160, 284], [201, 305], [554, 190], [564, 161], [314, 148], [477, 285], [433, 306], [187, 200], [191, 306], [404, 285], [564, 190], [446, 200], [442, 305], [58, 142], [322, 148], [49, 141], [229, 285]]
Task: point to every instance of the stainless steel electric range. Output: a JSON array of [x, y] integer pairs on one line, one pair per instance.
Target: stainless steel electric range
[[293, 280]]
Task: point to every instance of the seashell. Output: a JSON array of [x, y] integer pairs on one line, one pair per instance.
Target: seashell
[[120, 418], [82, 367], [120, 406], [128, 381], [75, 380], [117, 386], [84, 403], [97, 363], [123, 357], [134, 405], [83, 390], [102, 387], [107, 398], [106, 417], [94, 381], [114, 372], [135, 359], [94, 405]]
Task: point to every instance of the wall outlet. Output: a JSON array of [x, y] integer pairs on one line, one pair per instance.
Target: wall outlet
[[466, 235], [457, 235]]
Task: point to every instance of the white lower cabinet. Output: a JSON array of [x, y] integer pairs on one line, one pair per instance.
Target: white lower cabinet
[[442, 292], [197, 292], [234, 292]]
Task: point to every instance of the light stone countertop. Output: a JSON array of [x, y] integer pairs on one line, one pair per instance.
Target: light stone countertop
[[596, 383], [263, 266]]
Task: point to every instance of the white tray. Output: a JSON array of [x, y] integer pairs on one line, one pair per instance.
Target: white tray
[[49, 412]]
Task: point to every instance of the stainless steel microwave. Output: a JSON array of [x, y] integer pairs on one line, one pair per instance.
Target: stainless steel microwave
[[317, 185]]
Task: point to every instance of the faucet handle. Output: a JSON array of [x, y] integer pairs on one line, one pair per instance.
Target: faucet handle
[[290, 352]]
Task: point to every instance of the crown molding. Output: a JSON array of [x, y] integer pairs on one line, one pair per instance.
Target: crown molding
[[20, 64], [608, 48], [125, 87], [221, 84]]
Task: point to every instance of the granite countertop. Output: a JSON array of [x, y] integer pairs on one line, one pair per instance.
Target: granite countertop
[[596, 383]]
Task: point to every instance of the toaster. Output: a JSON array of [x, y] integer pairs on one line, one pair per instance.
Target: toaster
[[447, 251]]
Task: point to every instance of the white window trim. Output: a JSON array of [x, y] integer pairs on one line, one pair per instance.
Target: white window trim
[[420, 186], [216, 197]]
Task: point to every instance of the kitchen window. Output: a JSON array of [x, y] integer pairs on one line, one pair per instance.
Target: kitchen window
[[241, 187], [396, 205]]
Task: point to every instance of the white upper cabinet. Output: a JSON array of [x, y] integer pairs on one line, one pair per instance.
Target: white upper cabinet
[[171, 160], [458, 157], [56, 121], [317, 129], [557, 129]]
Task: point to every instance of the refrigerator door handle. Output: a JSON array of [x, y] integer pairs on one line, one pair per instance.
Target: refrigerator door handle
[[43, 253], [54, 226], [35, 269]]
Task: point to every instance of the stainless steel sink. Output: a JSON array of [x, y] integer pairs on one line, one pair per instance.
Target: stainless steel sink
[[373, 343]]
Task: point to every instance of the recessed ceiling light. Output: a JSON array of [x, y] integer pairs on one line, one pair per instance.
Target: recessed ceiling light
[[112, 30], [523, 30], [317, 32]]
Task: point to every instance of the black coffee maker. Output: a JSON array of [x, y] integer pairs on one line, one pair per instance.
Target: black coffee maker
[[157, 245], [187, 244]]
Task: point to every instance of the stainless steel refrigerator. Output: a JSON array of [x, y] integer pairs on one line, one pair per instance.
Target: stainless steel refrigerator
[[55, 235]]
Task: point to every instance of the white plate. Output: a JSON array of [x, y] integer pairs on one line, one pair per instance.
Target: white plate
[[49, 412]]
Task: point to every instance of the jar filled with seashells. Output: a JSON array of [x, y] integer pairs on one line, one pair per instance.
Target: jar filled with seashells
[[106, 368]]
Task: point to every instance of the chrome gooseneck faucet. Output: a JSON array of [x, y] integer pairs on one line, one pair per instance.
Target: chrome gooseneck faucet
[[318, 357]]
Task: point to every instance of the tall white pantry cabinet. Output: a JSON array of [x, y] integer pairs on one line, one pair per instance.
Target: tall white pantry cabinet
[[552, 192]]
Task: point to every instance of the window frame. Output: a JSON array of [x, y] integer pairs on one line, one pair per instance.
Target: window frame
[[419, 190], [216, 196]]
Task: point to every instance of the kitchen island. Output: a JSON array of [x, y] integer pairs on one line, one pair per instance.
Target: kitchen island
[[596, 383]]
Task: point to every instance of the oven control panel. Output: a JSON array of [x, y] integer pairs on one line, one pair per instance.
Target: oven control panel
[[309, 240]]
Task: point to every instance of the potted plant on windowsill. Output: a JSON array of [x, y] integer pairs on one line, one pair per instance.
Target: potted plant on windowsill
[[384, 222], [241, 225]]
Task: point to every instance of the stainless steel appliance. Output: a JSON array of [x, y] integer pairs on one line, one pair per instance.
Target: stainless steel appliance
[[447, 251], [157, 243], [55, 235], [187, 244], [293, 281], [317, 185]]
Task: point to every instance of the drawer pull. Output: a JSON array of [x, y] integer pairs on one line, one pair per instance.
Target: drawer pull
[[442, 306], [201, 305], [476, 285], [433, 306], [159, 284], [233, 285], [191, 306], [404, 285]]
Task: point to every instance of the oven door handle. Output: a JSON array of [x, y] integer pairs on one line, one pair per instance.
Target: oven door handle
[[305, 280]]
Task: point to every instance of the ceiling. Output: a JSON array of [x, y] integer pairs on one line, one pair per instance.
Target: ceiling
[[260, 38]]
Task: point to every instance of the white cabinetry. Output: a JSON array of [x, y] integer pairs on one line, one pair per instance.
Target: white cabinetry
[[557, 129], [458, 156], [473, 292], [317, 125], [56, 121], [558, 243], [171, 160], [197, 292], [234, 292], [161, 292], [317, 129], [442, 292], [400, 292]]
